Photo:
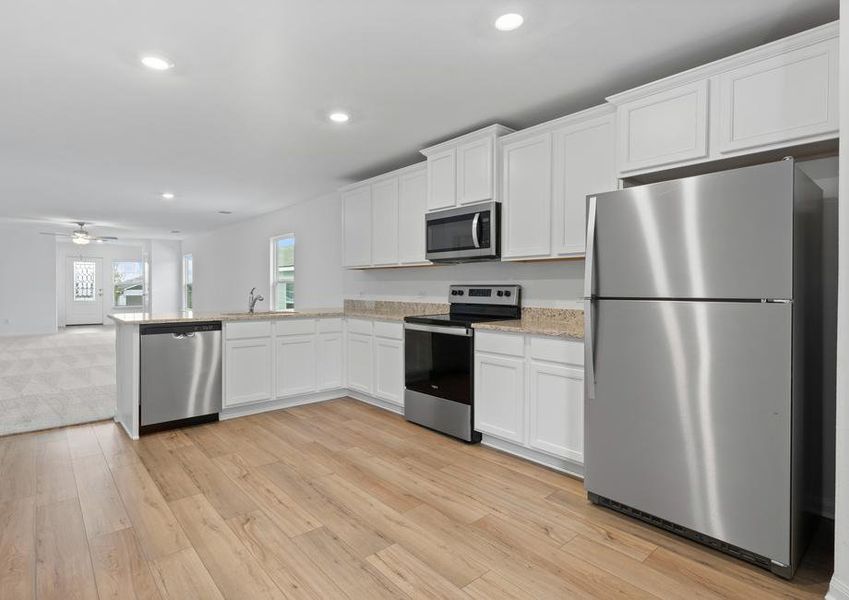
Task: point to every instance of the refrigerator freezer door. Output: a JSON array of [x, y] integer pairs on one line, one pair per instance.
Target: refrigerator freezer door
[[724, 235], [691, 417]]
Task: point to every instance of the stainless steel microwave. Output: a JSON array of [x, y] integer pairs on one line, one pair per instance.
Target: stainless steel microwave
[[468, 233]]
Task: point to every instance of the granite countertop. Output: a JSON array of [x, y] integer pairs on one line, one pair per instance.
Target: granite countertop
[[363, 309], [193, 317], [555, 322]]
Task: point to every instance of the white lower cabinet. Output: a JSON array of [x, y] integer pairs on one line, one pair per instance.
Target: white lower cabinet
[[389, 370], [279, 359], [360, 362], [500, 396], [248, 371], [329, 361], [529, 391], [295, 365], [556, 410]]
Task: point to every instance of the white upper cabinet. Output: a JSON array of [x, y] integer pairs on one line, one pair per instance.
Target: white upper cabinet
[[474, 171], [774, 96], [412, 206], [356, 226], [584, 164], [547, 172], [780, 99], [442, 179], [663, 128], [463, 170], [526, 187], [384, 221]]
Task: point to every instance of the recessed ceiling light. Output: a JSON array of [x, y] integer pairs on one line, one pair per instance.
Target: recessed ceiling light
[[225, 212], [157, 63], [509, 22], [175, 231], [167, 195], [339, 116]]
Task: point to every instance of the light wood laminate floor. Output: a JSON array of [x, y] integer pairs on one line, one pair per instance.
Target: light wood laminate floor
[[331, 500]]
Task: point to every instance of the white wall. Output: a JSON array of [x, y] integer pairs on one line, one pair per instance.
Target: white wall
[[839, 589], [108, 253], [230, 261], [166, 266], [27, 282]]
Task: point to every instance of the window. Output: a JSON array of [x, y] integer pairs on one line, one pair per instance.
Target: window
[[85, 274], [283, 272], [188, 278], [127, 283]]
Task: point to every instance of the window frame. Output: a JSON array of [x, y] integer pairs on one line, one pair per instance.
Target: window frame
[[184, 296], [274, 269], [140, 263]]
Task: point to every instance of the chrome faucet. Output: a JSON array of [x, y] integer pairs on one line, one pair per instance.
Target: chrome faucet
[[253, 299]]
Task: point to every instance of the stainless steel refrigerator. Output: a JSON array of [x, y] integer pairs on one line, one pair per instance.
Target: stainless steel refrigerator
[[703, 338]]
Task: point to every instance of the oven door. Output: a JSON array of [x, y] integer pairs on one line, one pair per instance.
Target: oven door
[[469, 232], [438, 361]]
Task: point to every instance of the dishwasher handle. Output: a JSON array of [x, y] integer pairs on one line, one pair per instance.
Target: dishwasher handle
[[180, 330]]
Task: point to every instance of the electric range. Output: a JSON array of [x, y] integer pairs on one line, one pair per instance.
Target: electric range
[[439, 354]]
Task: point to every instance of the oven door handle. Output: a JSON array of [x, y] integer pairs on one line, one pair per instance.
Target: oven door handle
[[461, 331], [475, 230]]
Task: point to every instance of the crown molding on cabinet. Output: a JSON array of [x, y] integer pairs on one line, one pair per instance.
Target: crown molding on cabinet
[[735, 61]]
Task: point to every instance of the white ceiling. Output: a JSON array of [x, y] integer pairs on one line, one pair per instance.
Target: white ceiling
[[87, 133]]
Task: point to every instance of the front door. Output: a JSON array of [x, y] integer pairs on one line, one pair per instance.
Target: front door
[[84, 291]]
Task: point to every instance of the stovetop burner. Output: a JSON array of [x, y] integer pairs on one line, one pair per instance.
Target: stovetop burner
[[476, 304]]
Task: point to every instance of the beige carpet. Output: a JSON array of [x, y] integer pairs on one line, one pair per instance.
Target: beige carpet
[[54, 380]]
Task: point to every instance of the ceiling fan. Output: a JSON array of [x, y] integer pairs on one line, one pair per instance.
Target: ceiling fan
[[81, 236]]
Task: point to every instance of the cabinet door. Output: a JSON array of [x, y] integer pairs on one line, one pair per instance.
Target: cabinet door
[[329, 361], [356, 226], [782, 99], [441, 180], [412, 206], [526, 197], [664, 128], [584, 163], [248, 371], [389, 370], [500, 396], [474, 171], [360, 362], [295, 365], [384, 222], [556, 410]]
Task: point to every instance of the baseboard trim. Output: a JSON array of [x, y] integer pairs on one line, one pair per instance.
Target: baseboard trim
[[124, 427], [234, 412], [375, 401], [558, 464], [837, 590]]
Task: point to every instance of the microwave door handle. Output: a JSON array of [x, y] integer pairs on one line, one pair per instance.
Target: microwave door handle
[[475, 240]]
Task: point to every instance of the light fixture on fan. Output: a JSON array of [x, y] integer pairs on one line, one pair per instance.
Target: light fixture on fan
[[81, 235]]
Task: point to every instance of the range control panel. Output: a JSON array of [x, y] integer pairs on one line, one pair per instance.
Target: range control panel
[[509, 295]]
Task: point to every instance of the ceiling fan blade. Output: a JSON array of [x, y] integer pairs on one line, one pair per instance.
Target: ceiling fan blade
[[107, 237], [54, 234]]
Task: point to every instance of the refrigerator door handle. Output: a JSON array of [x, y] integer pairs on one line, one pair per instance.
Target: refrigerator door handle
[[589, 350], [589, 260]]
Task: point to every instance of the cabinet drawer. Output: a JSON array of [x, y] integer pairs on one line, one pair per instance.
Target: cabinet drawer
[[557, 350], [295, 327], [500, 343], [329, 325], [393, 331], [248, 329], [359, 326]]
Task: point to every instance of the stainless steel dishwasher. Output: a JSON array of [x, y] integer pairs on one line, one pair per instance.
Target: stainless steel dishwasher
[[180, 374]]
